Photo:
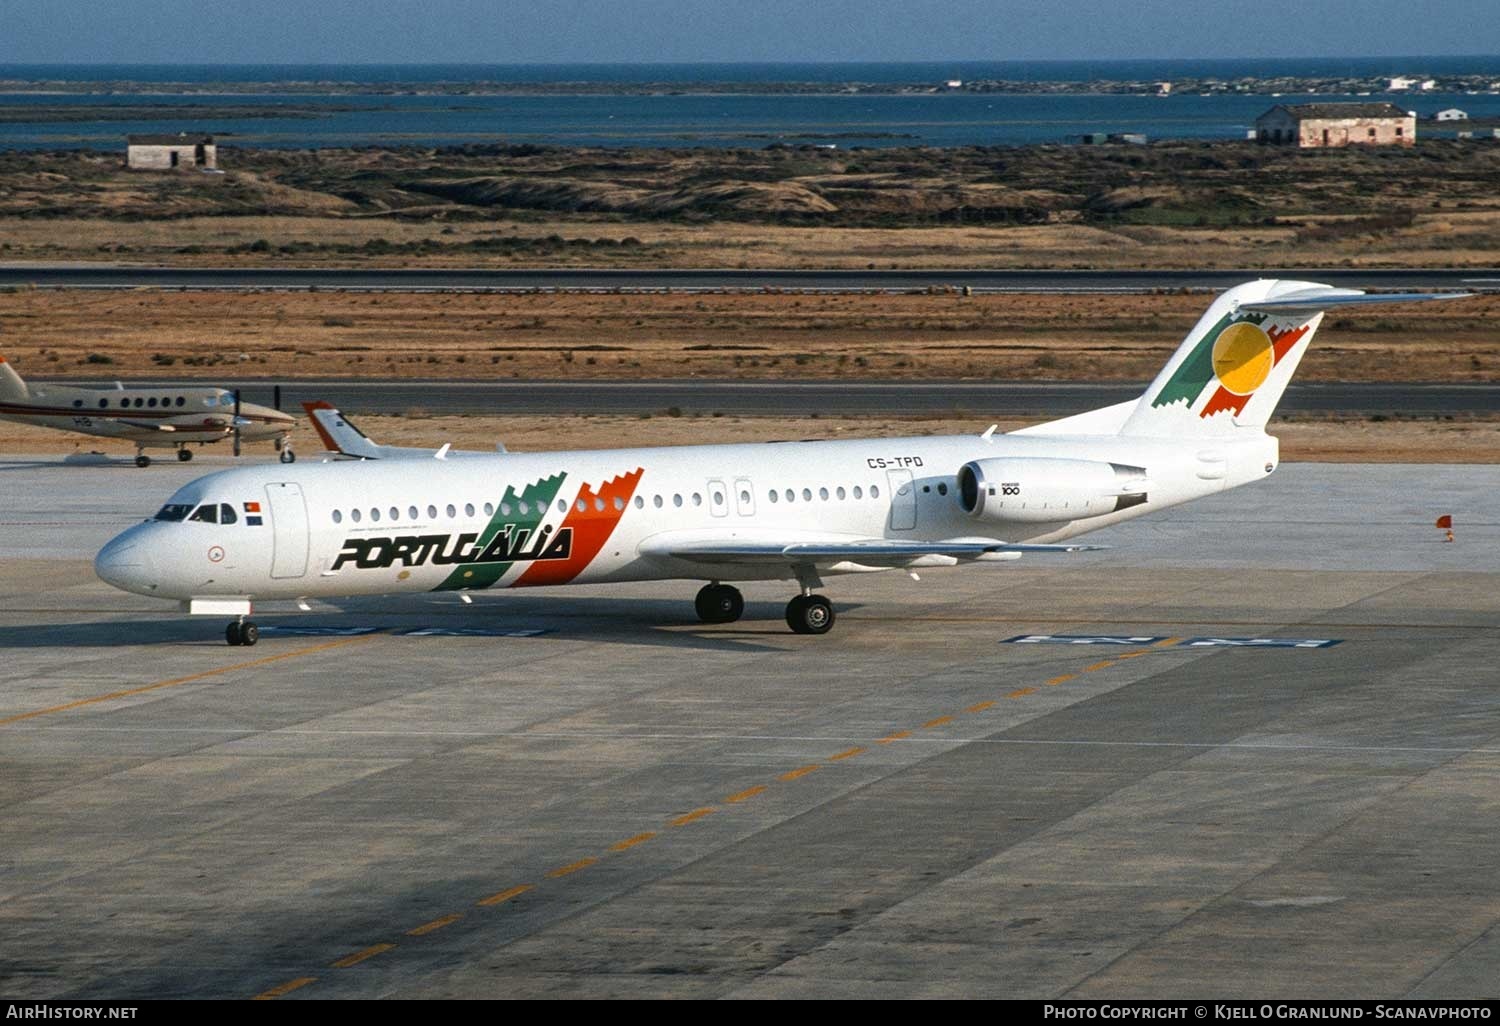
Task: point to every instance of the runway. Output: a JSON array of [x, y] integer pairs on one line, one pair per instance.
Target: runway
[[583, 793], [822, 398], [112, 276]]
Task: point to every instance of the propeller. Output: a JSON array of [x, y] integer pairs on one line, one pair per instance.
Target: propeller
[[236, 422]]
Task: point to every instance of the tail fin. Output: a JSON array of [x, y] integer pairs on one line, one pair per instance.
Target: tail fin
[[338, 432], [11, 385], [1231, 370]]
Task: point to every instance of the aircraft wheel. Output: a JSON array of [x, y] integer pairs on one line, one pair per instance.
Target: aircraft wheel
[[809, 614], [232, 634], [184, 454], [143, 460], [287, 456], [249, 633], [719, 603]]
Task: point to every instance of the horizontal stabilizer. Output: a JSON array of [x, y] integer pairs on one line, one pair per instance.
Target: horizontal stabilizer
[[1311, 301]]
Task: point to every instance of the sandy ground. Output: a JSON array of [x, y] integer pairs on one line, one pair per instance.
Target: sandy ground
[[50, 334], [1334, 441]]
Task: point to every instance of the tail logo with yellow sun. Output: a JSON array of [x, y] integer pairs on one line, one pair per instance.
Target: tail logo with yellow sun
[[1231, 361]]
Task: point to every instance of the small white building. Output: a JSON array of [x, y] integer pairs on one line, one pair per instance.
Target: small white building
[[1451, 114], [165, 152], [1400, 85]]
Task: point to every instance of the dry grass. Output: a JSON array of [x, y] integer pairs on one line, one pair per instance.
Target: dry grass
[[145, 334]]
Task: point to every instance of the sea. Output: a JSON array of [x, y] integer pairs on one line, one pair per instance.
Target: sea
[[401, 107]]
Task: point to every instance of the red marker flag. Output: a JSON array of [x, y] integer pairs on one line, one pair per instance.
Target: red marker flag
[[1445, 522]]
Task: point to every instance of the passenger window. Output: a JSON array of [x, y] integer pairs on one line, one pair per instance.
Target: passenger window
[[581, 505], [505, 509], [77, 403], [745, 498], [619, 503], [599, 503], [942, 488], [656, 501], [226, 513], [411, 512], [338, 518], [395, 514], [489, 509], [840, 492], [677, 500], [451, 511], [640, 503], [180, 401], [697, 499], [468, 509], [807, 495], [562, 507], [858, 492], [207, 513], [790, 495], [874, 492], [718, 498], [773, 495], [103, 404], [524, 509], [374, 515], [139, 403], [431, 512], [151, 402], [355, 515], [823, 494]]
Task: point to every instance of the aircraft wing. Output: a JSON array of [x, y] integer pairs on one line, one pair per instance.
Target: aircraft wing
[[864, 551]]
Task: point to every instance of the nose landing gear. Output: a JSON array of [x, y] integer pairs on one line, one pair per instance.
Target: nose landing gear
[[284, 446], [184, 453], [242, 632], [141, 459], [719, 603]]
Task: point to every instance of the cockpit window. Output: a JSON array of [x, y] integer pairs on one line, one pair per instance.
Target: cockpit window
[[226, 513], [208, 513], [174, 511], [226, 400]]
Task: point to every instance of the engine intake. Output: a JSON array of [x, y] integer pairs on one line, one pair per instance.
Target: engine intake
[[1038, 490]]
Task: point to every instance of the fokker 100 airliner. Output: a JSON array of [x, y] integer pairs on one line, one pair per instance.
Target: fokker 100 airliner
[[799, 511]]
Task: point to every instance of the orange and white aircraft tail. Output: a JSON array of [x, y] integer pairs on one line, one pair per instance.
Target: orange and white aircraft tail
[[341, 437]]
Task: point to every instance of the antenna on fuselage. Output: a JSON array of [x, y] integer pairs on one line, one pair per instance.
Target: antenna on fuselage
[[236, 422]]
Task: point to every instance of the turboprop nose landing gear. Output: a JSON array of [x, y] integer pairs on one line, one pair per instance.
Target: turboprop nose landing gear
[[284, 446]]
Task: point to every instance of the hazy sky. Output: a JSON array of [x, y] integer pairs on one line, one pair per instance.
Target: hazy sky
[[501, 31]]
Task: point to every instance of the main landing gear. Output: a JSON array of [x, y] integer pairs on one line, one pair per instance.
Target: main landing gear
[[809, 614], [719, 603], [805, 614], [184, 454], [242, 632]]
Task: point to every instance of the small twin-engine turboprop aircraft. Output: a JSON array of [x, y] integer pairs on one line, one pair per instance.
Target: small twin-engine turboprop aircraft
[[800, 511], [161, 417]]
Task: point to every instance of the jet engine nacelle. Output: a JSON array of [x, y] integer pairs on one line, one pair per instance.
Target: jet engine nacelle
[[1036, 490]]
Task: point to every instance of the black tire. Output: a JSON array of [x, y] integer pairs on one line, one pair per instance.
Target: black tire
[[287, 456], [143, 460], [249, 633], [232, 634], [184, 454], [719, 603], [809, 614]]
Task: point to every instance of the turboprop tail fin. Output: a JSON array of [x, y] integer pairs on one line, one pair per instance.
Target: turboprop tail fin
[[11, 385], [1231, 370]]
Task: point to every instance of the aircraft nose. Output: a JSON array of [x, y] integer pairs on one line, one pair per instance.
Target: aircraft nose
[[125, 564]]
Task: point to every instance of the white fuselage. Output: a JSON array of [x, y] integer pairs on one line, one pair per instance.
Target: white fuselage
[[505, 520]]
